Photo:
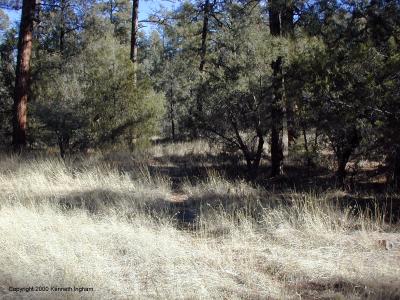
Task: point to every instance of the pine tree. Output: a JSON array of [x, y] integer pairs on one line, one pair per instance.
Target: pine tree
[[22, 80]]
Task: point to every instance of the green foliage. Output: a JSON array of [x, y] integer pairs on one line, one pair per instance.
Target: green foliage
[[211, 71], [118, 13], [336, 81], [7, 78], [90, 99], [237, 96]]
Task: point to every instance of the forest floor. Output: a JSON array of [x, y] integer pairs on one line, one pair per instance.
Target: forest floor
[[179, 223]]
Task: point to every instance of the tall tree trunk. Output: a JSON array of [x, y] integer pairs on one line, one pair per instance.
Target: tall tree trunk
[[203, 49], [396, 167], [341, 173], [287, 13], [280, 24], [287, 24], [63, 143], [204, 33], [277, 97], [22, 74], [345, 149], [306, 147], [172, 115], [111, 11], [62, 26], [134, 36], [258, 154]]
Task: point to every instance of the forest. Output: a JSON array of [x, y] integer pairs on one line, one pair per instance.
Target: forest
[[203, 149]]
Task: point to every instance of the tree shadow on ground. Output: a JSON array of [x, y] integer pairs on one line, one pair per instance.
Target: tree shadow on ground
[[98, 201], [103, 201], [336, 289], [361, 189]]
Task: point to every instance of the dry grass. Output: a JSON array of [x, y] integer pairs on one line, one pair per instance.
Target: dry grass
[[92, 226], [199, 147]]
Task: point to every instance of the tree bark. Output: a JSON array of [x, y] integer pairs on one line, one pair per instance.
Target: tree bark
[[62, 26], [21, 90], [287, 13], [203, 50], [274, 18], [277, 120], [63, 144], [172, 115], [341, 170], [280, 24], [287, 24], [396, 167], [277, 97], [134, 36], [344, 150], [252, 158], [204, 33]]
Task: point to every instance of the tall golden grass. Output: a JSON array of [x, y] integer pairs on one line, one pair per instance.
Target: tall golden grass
[[90, 225]]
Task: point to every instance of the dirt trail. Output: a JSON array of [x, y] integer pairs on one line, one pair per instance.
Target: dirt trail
[[179, 201]]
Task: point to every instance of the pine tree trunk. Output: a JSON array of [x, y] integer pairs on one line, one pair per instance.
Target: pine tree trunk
[[204, 32], [287, 20], [277, 111], [172, 115], [62, 27], [341, 171], [203, 49], [23, 75], [63, 144], [280, 24], [288, 32], [134, 36], [396, 167]]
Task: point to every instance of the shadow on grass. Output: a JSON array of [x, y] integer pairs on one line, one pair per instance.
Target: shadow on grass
[[336, 289], [360, 189], [97, 201], [103, 201]]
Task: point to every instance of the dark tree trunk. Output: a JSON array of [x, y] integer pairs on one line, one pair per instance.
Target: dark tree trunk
[[341, 171], [274, 18], [63, 144], [252, 158], [277, 97], [344, 151], [172, 116], [23, 74], [315, 145], [62, 27], [287, 20], [203, 49], [307, 149], [62, 37], [396, 167], [276, 152], [173, 128], [305, 140], [280, 24], [277, 120], [134, 35], [287, 29], [258, 154], [111, 12], [291, 123], [204, 33]]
